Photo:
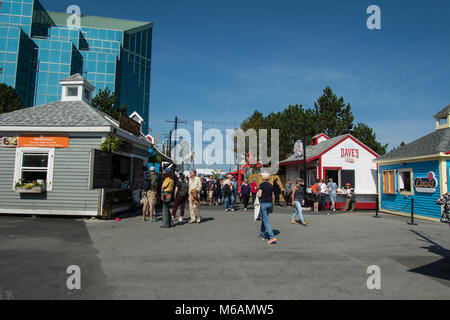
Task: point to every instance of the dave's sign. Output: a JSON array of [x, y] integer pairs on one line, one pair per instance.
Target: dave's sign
[[426, 185], [350, 154]]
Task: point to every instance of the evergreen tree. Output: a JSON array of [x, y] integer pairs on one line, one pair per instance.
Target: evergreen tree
[[365, 134], [9, 99], [333, 116], [105, 101]]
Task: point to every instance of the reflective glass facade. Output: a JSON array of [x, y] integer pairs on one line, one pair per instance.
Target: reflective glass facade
[[37, 49]]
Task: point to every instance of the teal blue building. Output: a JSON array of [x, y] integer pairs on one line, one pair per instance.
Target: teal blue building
[[419, 170], [38, 48]]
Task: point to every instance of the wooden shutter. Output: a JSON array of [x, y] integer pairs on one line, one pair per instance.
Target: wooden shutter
[[102, 169], [391, 182], [385, 182], [388, 182]]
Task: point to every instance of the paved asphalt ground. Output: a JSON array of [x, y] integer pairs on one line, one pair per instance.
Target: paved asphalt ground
[[222, 258]]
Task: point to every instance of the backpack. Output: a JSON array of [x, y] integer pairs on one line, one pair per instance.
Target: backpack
[[184, 189], [226, 189], [315, 189], [153, 182]]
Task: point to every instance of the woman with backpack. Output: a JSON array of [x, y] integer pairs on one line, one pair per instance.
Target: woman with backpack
[[315, 189]]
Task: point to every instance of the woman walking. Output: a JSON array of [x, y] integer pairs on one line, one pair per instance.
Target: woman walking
[[265, 195], [298, 199], [245, 193]]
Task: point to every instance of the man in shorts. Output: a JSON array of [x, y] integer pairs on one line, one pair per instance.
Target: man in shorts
[[148, 199]]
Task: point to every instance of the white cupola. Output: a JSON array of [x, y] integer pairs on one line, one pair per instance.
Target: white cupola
[[76, 88], [442, 118]]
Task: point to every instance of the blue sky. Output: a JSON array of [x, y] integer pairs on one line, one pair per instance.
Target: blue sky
[[220, 60]]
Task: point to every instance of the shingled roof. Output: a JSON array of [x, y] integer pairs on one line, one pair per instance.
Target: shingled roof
[[312, 151], [433, 143], [57, 114]]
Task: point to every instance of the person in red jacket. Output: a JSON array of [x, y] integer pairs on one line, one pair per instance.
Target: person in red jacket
[[254, 188]]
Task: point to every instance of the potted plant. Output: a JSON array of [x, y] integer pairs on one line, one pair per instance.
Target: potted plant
[[29, 187]]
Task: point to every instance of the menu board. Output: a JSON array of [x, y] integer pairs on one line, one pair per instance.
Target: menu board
[[44, 141], [35, 141]]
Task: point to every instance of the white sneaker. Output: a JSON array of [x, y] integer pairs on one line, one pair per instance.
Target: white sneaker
[[245, 209], [180, 219], [226, 210], [232, 209]]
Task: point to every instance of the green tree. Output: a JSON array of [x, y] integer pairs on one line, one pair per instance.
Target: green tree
[[105, 101], [365, 134], [333, 116], [9, 99]]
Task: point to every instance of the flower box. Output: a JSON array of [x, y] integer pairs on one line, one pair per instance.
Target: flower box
[[29, 190]]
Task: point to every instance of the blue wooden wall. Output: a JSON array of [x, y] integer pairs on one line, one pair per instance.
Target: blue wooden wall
[[424, 203], [448, 175]]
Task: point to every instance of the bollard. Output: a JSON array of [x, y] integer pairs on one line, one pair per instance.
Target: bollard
[[377, 204], [412, 213]]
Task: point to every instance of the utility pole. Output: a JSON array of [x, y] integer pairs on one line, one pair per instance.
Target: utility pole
[[170, 143], [176, 122], [304, 157]]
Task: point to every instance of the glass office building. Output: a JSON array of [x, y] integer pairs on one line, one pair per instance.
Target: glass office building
[[38, 48]]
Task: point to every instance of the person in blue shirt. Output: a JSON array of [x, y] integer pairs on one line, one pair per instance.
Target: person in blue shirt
[[265, 195], [332, 188]]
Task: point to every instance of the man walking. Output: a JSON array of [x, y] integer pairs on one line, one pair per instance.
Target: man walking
[[228, 194], [195, 187], [149, 195]]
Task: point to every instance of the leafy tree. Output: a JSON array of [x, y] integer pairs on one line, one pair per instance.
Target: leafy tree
[[365, 134], [9, 99], [105, 101], [333, 116]]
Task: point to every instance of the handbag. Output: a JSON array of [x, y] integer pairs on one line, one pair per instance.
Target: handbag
[[257, 210]]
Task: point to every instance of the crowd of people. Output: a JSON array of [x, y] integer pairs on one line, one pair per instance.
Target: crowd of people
[[175, 190]]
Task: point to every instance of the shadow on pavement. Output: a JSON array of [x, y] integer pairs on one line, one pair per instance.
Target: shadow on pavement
[[432, 266]]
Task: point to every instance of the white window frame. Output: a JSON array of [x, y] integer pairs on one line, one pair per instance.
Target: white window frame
[[72, 88], [401, 183], [19, 161]]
